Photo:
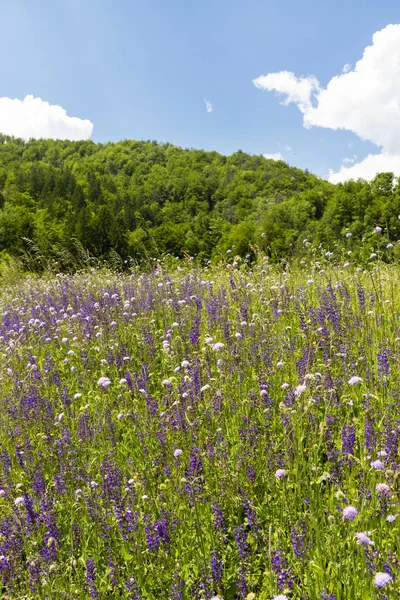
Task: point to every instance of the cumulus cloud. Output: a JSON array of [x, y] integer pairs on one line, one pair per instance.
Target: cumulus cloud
[[209, 107], [274, 156], [367, 168], [35, 118], [364, 99]]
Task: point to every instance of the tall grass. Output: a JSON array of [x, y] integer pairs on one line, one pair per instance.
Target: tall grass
[[193, 432]]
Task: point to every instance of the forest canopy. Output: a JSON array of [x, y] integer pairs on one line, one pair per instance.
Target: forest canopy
[[145, 199]]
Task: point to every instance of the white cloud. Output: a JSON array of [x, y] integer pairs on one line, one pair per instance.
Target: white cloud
[[274, 156], [294, 89], [367, 168], [209, 107], [346, 68], [364, 99], [35, 118], [350, 160]]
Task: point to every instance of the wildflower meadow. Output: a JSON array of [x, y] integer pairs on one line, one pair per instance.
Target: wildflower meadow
[[227, 431]]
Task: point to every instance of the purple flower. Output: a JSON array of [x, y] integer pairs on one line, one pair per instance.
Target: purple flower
[[104, 382], [382, 488], [350, 513], [177, 452], [378, 465], [363, 539], [382, 579]]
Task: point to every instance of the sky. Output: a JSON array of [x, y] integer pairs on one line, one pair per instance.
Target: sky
[[316, 83]]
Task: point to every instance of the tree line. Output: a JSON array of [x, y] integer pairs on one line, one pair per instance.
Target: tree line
[[144, 199]]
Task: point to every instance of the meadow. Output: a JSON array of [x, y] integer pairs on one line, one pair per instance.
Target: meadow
[[228, 431]]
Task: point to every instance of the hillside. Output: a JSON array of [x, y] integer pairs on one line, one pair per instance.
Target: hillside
[[144, 199]]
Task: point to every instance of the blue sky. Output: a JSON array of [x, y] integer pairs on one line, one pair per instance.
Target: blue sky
[[141, 70]]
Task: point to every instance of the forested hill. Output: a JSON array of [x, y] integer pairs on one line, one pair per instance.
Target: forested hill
[[144, 199]]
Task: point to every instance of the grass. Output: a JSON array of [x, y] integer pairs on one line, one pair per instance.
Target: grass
[[95, 502]]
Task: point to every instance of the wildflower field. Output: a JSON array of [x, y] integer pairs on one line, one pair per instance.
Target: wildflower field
[[194, 433]]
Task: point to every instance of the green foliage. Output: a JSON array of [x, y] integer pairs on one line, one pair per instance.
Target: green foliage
[[144, 199]]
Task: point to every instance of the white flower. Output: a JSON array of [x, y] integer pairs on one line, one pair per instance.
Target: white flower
[[19, 500], [166, 382], [378, 229]]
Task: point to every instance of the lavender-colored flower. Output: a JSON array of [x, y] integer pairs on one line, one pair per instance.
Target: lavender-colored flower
[[354, 380], [363, 539], [280, 474], [350, 513], [383, 489], [104, 382], [218, 346], [280, 597], [378, 229], [391, 518], [300, 389], [377, 464], [382, 579], [177, 452]]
